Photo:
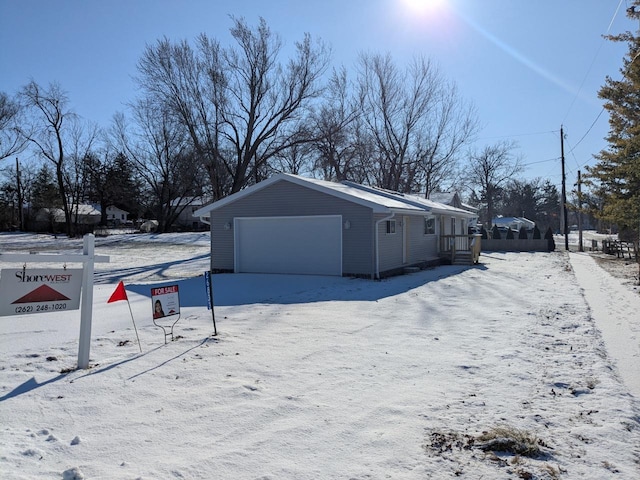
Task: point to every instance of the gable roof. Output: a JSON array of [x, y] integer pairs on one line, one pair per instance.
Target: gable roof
[[416, 200], [378, 199], [346, 191], [453, 199], [514, 221], [447, 198], [57, 214]]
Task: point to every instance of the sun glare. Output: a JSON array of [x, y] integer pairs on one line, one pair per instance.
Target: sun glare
[[423, 7]]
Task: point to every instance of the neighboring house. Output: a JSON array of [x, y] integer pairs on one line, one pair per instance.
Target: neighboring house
[[453, 199], [514, 223], [81, 214], [186, 218], [295, 225], [116, 216]]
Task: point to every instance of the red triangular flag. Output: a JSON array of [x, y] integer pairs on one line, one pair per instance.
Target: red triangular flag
[[119, 294]]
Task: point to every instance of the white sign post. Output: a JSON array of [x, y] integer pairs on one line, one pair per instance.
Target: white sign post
[[87, 258]]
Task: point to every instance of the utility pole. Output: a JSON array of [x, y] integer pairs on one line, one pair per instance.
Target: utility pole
[[20, 212], [565, 229], [580, 247]]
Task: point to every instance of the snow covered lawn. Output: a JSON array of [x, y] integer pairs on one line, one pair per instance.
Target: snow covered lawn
[[316, 377]]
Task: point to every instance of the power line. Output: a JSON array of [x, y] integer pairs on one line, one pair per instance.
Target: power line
[[588, 130], [540, 161], [519, 135], [615, 14]]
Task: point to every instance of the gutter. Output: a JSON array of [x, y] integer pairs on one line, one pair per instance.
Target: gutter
[[377, 240]]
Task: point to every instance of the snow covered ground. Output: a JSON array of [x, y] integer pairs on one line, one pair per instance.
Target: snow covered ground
[[322, 377]]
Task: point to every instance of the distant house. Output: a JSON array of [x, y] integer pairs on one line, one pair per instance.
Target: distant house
[[116, 216], [514, 223], [186, 219], [296, 225], [81, 214], [52, 219], [453, 199]]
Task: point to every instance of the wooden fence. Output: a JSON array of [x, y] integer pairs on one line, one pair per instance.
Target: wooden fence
[[620, 249], [516, 245]]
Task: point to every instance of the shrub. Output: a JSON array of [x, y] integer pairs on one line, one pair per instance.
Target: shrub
[[510, 440], [549, 237], [484, 233], [536, 233], [522, 234], [509, 234], [495, 233]]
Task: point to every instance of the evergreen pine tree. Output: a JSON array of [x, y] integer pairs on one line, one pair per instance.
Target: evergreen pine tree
[[536, 233], [616, 176], [522, 234], [509, 234], [549, 237]]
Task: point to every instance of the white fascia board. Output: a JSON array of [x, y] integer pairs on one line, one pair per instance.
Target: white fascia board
[[454, 211], [338, 190]]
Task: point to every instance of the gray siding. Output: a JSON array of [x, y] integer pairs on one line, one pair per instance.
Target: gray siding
[[419, 247], [390, 247], [288, 199]]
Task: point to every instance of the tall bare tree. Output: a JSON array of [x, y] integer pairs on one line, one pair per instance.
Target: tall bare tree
[[488, 171], [416, 120], [159, 151], [240, 105], [450, 128], [336, 126], [58, 135], [11, 141]]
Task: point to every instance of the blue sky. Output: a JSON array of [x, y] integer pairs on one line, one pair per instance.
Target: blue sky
[[528, 66]]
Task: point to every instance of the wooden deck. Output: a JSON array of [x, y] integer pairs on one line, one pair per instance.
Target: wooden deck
[[461, 249]]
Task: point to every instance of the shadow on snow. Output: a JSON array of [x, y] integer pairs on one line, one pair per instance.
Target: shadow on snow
[[233, 289]]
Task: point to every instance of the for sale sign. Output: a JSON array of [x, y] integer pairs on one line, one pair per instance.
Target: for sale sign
[[26, 291], [165, 301]]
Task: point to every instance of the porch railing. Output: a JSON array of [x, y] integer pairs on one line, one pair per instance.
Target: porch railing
[[451, 245]]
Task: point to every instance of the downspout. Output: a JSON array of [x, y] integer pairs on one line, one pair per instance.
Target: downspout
[[377, 249]]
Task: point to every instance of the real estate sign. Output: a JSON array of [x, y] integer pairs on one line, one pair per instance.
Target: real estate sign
[[44, 290], [165, 301]]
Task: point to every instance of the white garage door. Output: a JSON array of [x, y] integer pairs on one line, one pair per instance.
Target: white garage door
[[295, 245]]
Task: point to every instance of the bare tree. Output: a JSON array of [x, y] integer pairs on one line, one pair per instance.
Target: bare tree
[[338, 134], [58, 136], [295, 159], [16, 194], [240, 105], [489, 170], [81, 139], [161, 155], [416, 120], [450, 127], [11, 141]]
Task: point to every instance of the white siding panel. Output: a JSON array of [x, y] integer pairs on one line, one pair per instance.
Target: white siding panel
[[294, 245]]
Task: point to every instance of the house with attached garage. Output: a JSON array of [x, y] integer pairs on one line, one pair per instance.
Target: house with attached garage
[[296, 225]]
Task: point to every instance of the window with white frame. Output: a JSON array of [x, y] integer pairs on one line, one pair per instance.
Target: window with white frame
[[391, 226], [429, 225]]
